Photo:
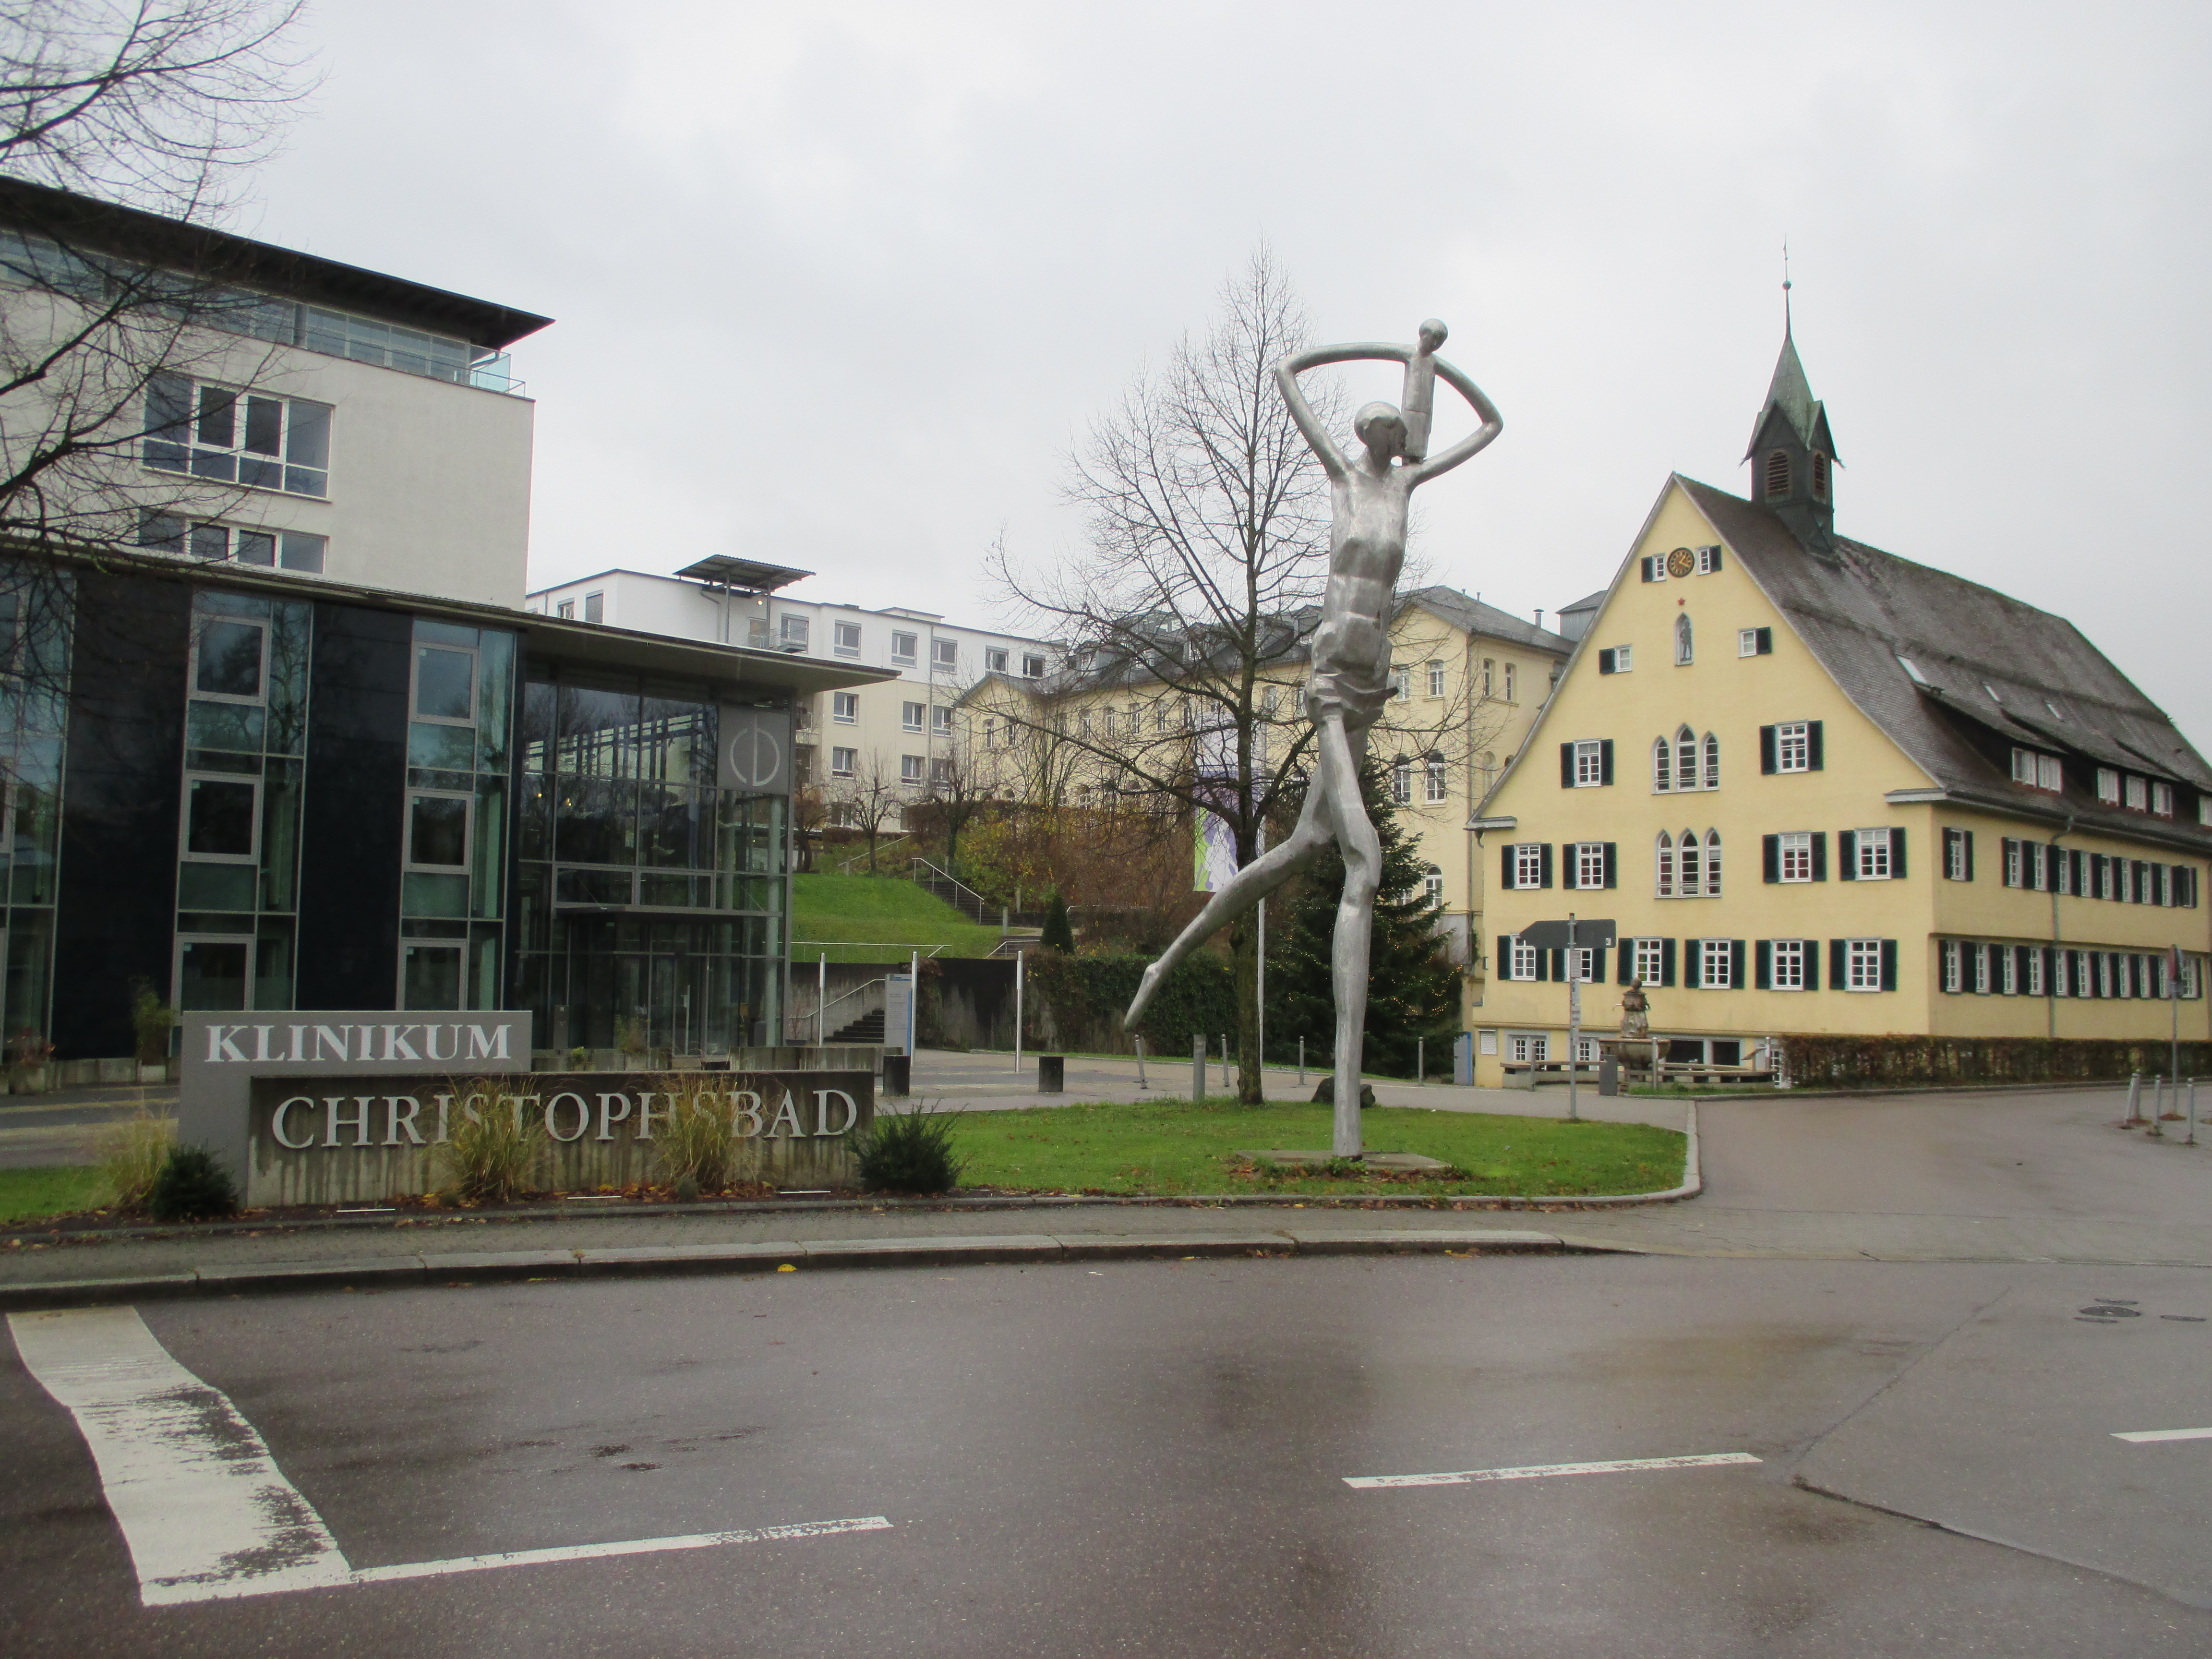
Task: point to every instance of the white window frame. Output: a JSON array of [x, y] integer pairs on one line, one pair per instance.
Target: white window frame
[[842, 761], [1590, 763], [1981, 957], [940, 720], [1747, 642], [1436, 784], [201, 623], [1873, 853], [793, 629], [905, 647], [845, 707], [1432, 885], [911, 716], [1522, 1047], [1794, 855], [1401, 685], [235, 451], [2007, 973], [1032, 667], [415, 682], [1861, 964], [944, 653], [1705, 557], [913, 769], [1436, 679], [1953, 955], [1520, 959], [1785, 964], [1650, 961], [1663, 866], [2108, 786], [1512, 677], [1528, 864], [2035, 973], [994, 658], [845, 638], [1590, 864], [1954, 854], [2161, 799], [1581, 963], [1709, 952], [2015, 863], [1793, 746], [2137, 798]]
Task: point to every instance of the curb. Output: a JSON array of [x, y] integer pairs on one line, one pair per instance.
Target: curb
[[461, 1268]]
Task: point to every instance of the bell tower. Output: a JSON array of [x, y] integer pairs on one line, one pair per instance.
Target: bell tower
[[1792, 452]]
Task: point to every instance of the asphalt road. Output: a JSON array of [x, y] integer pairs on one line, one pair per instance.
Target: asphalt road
[[1151, 1458]]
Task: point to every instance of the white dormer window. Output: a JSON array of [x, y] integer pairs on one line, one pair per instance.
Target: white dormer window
[[2108, 786], [2038, 770], [2138, 794], [2161, 799]]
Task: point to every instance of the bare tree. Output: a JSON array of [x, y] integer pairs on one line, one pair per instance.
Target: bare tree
[[868, 799]]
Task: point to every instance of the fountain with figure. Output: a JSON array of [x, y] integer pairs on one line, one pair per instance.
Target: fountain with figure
[[1351, 679]]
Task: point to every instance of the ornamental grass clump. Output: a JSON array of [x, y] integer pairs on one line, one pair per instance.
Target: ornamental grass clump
[[697, 1144], [131, 1155], [910, 1152], [192, 1186], [493, 1153]]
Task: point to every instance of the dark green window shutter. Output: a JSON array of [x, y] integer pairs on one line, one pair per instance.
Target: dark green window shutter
[[1566, 766], [1820, 855], [1969, 834], [1693, 952], [1666, 962], [1812, 963], [1626, 965], [1597, 965], [1558, 955], [1847, 855], [1648, 562], [1767, 749], [1505, 874], [1546, 879], [1543, 964], [1766, 641], [1605, 662], [1714, 554], [1896, 853], [1763, 978], [1814, 756], [1612, 863], [1735, 964], [1605, 761], [1839, 964], [1889, 964], [1770, 857]]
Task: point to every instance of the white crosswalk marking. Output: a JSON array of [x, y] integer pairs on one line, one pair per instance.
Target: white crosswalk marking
[[1540, 1471], [207, 1514]]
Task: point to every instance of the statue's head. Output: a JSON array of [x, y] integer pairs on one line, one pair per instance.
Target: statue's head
[[1382, 429], [1434, 334]]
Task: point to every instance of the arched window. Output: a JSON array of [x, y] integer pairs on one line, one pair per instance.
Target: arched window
[[1712, 864], [1665, 851], [1778, 475], [1401, 780], [1684, 651], [1662, 766], [1433, 886], [1433, 778], [1819, 477], [1686, 759], [1712, 762], [1686, 865]]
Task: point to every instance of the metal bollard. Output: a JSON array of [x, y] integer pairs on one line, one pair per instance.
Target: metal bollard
[[2191, 1140], [1225, 1084], [1141, 1083], [2157, 1104], [1197, 1069], [1420, 1060], [2135, 1094], [1302, 1063]]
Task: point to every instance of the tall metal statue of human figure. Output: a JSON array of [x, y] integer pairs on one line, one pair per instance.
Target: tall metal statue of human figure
[[1351, 679]]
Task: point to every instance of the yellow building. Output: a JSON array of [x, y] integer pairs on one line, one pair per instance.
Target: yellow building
[[1468, 681], [1823, 789]]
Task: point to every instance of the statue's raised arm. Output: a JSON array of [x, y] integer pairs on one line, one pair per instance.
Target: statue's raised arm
[[1493, 424], [1286, 377]]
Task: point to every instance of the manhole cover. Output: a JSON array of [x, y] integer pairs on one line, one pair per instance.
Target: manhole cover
[[2109, 1310]]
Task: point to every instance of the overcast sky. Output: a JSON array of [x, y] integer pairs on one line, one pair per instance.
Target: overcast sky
[[837, 287]]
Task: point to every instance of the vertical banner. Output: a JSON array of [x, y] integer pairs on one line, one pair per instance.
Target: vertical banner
[[1213, 840]]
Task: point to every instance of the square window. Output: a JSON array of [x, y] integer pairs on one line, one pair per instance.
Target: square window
[[1788, 972], [566, 608], [845, 706], [910, 768], [445, 685], [995, 659], [905, 646], [227, 657], [940, 772], [1874, 854], [1863, 964], [220, 818], [911, 716], [1793, 746], [946, 654], [842, 762], [847, 639], [438, 831], [795, 630]]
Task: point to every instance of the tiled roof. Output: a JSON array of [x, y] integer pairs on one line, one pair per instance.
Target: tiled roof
[[1475, 618], [1988, 667]]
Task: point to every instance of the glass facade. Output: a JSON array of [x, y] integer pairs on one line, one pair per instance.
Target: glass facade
[[35, 666], [238, 834], [649, 900], [453, 833]]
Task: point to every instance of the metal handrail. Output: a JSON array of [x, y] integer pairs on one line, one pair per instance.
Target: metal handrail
[[845, 867], [938, 872], [876, 944]]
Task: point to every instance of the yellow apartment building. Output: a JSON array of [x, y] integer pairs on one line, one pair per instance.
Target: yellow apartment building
[[1823, 789], [1468, 680]]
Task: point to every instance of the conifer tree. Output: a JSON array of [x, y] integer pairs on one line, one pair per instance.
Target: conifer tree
[[1059, 933], [1412, 992]]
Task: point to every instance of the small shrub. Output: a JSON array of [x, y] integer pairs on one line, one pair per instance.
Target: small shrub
[[579, 1058], [192, 1186], [491, 1157], [151, 1019], [697, 1144], [1058, 934], [633, 1037], [132, 1154], [910, 1152]]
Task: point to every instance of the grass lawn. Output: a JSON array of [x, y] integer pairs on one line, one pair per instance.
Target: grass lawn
[[882, 910], [1171, 1147], [59, 1189]]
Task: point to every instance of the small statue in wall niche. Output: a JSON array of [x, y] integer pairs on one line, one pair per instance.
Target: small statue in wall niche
[[1635, 1012]]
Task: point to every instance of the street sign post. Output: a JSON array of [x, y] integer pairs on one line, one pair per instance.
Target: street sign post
[[1571, 935]]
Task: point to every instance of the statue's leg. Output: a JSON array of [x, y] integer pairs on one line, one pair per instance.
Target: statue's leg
[[1337, 772], [1243, 889]]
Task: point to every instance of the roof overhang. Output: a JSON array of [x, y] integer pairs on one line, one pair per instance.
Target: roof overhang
[[2069, 821], [727, 570]]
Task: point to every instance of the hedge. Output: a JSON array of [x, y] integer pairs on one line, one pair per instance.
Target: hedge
[[1077, 1002], [1903, 1062]]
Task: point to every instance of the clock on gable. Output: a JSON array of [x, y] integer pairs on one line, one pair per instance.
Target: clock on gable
[[1681, 561]]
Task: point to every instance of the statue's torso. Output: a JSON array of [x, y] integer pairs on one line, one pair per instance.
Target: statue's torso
[[1352, 645]]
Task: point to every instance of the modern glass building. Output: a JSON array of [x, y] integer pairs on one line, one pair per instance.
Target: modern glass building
[[249, 790]]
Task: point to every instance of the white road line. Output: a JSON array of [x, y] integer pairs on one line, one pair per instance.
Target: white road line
[[201, 1503], [1539, 1471], [207, 1514], [2142, 1435]]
